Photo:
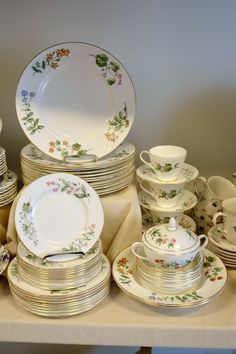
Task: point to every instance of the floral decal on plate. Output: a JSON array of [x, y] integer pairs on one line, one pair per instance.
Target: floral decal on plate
[[124, 270], [14, 272], [188, 173], [26, 221], [40, 261], [82, 240], [162, 240], [76, 189], [66, 149], [34, 153], [188, 297], [117, 125], [51, 60], [110, 69], [31, 123], [211, 271]]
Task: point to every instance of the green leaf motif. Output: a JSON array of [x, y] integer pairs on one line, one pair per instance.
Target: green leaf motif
[[101, 60], [117, 125], [109, 69]]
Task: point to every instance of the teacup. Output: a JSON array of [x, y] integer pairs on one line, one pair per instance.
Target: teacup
[[229, 219], [165, 160], [211, 194], [165, 195]]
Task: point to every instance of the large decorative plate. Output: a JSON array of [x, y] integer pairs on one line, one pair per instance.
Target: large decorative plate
[[59, 214], [75, 101], [215, 276]]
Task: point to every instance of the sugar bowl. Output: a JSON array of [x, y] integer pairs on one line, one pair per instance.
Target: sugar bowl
[[169, 245]]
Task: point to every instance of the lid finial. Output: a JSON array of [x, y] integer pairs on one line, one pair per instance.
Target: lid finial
[[172, 224]]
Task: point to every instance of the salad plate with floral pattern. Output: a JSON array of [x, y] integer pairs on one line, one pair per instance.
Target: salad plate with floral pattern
[[75, 102], [215, 276], [59, 214]]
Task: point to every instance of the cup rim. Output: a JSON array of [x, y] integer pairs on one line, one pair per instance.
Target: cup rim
[[176, 151]]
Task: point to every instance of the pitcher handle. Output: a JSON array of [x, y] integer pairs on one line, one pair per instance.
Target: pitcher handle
[[214, 220], [199, 181]]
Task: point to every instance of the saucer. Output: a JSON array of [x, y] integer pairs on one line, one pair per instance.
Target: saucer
[[188, 173], [213, 283], [4, 258], [219, 240], [187, 201], [183, 220]]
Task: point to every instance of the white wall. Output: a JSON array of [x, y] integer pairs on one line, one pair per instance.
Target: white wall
[[181, 55]]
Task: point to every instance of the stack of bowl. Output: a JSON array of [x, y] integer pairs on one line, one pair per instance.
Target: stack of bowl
[[163, 180], [169, 259]]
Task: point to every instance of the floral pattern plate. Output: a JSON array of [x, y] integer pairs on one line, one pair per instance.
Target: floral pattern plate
[[121, 154], [188, 173], [75, 100], [215, 277], [59, 214], [187, 201]]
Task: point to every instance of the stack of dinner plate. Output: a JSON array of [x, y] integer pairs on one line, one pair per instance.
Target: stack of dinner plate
[[59, 302], [59, 269], [223, 248], [106, 175]]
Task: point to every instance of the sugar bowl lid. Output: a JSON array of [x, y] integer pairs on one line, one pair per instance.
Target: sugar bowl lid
[[171, 238]]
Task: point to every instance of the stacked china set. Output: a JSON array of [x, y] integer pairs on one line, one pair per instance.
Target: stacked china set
[[8, 179], [59, 269], [162, 180]]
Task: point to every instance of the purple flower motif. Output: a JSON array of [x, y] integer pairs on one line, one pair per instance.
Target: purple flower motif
[[55, 190], [32, 94], [24, 93]]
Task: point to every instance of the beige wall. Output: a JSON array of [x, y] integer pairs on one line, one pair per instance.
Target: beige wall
[[181, 55]]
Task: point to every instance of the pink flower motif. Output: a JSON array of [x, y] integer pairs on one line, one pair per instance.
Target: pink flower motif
[[173, 240], [68, 192], [55, 190], [53, 183], [164, 241], [93, 226], [48, 183]]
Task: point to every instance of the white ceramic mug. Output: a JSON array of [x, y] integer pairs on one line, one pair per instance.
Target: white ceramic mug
[[165, 195], [165, 160], [211, 194], [229, 219]]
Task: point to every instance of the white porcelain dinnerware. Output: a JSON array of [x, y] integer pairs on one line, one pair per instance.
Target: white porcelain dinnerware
[[166, 195], [187, 174], [59, 303], [229, 219], [187, 201], [211, 193], [4, 258], [149, 220], [59, 214], [169, 245], [75, 102], [213, 283], [165, 161]]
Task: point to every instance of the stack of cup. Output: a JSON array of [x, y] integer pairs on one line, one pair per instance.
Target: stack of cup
[[162, 179], [211, 193]]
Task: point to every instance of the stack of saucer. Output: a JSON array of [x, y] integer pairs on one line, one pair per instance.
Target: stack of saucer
[[59, 269], [223, 248], [162, 181], [170, 281], [108, 174], [3, 163], [8, 181]]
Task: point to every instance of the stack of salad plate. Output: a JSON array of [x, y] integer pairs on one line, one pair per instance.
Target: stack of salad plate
[[76, 104], [59, 269]]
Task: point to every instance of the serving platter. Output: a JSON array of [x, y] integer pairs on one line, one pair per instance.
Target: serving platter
[[75, 101]]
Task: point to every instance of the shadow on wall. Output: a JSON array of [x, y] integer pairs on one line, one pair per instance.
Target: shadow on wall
[[206, 126]]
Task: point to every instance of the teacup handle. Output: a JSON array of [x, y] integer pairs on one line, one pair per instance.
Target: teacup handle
[[214, 220], [141, 183], [134, 248], [200, 237], [142, 158], [199, 181]]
